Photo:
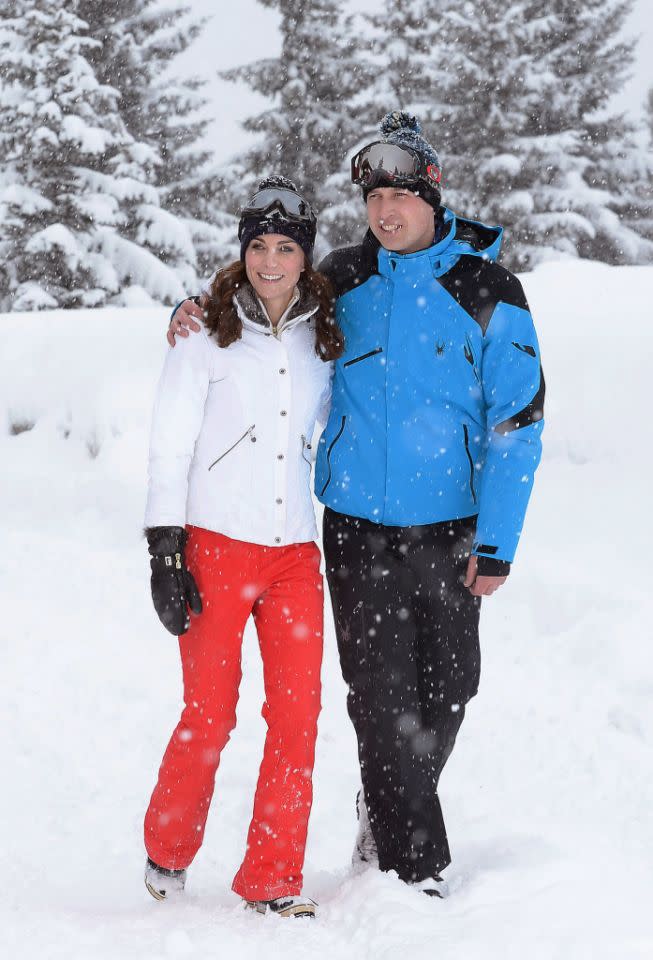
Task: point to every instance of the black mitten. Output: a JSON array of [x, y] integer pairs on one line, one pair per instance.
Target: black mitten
[[173, 586]]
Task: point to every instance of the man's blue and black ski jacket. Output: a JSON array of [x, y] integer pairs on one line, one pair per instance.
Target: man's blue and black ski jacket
[[438, 399]]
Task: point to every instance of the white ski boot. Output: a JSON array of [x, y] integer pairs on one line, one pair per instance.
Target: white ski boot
[[164, 884], [285, 906], [365, 852]]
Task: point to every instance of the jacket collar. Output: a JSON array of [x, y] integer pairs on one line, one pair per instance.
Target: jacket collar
[[253, 314], [455, 236]]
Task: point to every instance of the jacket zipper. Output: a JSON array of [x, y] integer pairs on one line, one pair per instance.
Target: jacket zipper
[[331, 446], [471, 461], [372, 353], [248, 433], [471, 359]]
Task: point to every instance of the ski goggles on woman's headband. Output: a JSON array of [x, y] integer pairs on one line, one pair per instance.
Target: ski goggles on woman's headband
[[387, 161], [289, 204]]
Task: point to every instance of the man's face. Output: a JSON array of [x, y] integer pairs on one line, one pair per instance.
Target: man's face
[[400, 220]]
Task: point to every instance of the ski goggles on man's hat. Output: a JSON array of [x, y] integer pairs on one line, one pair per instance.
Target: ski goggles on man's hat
[[286, 204], [381, 162]]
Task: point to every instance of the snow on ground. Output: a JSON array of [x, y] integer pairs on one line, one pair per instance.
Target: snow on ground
[[549, 793]]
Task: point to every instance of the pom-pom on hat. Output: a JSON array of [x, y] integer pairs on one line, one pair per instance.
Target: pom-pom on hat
[[404, 130], [276, 219], [282, 183]]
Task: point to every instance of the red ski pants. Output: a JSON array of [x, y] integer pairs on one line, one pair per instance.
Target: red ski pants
[[282, 588]]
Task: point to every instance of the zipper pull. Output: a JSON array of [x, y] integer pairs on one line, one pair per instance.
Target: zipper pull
[[178, 561]]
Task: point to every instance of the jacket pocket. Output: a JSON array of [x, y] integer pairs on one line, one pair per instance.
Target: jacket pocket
[[472, 470], [306, 451], [329, 452], [470, 358], [248, 433], [364, 356]]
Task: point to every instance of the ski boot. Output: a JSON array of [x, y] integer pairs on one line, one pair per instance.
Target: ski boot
[[284, 906], [163, 884]]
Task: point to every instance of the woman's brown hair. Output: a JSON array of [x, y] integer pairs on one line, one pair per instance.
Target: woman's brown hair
[[223, 322]]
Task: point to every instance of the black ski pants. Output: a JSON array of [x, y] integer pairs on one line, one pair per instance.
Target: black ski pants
[[407, 632]]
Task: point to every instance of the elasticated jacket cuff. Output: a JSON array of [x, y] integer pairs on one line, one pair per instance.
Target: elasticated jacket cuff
[[491, 567], [165, 540], [174, 310], [177, 305]]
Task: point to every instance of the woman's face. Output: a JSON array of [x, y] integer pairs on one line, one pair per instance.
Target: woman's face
[[273, 264]]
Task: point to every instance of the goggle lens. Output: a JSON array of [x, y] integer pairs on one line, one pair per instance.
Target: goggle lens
[[383, 159], [287, 201], [389, 162]]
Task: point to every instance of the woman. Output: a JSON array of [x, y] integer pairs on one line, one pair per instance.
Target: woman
[[231, 532]]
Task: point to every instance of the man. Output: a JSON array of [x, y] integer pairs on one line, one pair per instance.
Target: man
[[425, 469]]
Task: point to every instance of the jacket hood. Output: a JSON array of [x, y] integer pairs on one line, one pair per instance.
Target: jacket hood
[[473, 237]]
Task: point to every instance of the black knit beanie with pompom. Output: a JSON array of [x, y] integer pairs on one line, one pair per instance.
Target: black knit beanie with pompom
[[404, 130], [256, 224]]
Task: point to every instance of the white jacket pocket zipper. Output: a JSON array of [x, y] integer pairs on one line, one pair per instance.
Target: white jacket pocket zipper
[[248, 433]]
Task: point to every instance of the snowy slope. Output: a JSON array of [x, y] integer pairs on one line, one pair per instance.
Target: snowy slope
[[549, 793]]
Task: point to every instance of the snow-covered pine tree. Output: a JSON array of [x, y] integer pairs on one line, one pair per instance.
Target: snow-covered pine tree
[[308, 131], [140, 39], [623, 168], [393, 42], [645, 224], [80, 215], [645, 221], [405, 56], [591, 33], [535, 143], [630, 177], [410, 57], [56, 120], [490, 107]]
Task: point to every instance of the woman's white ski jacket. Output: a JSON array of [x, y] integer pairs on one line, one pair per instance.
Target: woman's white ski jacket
[[230, 447]]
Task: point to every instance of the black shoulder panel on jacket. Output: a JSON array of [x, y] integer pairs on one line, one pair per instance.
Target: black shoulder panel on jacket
[[478, 285], [348, 267]]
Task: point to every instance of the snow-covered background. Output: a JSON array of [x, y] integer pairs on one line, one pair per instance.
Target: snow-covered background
[[537, 109], [261, 38], [549, 793]]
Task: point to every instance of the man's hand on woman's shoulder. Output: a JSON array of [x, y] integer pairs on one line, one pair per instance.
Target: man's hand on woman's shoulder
[[184, 319]]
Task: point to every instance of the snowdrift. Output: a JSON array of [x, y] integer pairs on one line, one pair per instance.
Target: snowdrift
[[549, 792]]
